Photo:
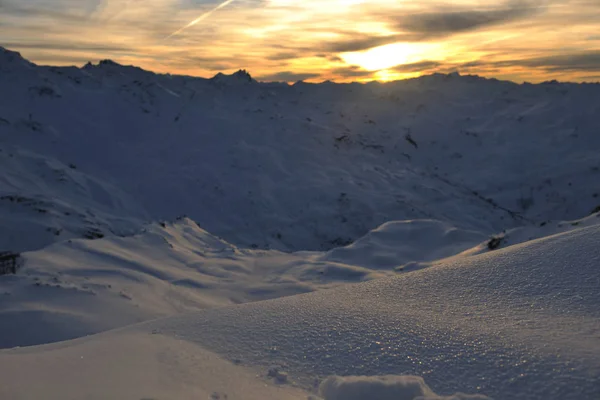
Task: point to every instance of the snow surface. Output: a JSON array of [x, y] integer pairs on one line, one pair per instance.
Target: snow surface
[[80, 286], [196, 222], [518, 323]]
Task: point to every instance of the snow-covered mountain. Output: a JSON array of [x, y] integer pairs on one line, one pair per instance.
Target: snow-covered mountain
[[127, 196], [302, 167]]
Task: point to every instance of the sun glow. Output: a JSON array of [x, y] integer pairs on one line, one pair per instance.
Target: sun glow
[[384, 75], [391, 55]]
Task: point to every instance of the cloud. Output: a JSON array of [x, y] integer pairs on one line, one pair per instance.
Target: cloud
[[364, 42], [417, 66], [284, 56], [51, 59], [351, 72], [68, 46], [591, 78], [59, 10], [429, 25], [330, 57], [451, 21], [288, 76], [201, 18], [182, 59], [583, 61], [580, 62]]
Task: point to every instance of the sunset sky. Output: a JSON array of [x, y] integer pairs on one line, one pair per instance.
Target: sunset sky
[[289, 40]]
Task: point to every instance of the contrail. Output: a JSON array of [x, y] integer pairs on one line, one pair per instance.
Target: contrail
[[200, 18]]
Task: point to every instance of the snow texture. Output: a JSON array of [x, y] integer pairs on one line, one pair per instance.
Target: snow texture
[[516, 323], [383, 388]]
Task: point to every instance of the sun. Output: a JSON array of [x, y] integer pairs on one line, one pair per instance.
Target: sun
[[384, 76], [390, 55]]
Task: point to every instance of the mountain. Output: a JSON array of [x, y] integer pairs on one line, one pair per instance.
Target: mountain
[[241, 77], [311, 167]]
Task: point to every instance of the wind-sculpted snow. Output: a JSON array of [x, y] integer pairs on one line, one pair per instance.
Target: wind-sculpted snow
[[520, 323], [404, 245]]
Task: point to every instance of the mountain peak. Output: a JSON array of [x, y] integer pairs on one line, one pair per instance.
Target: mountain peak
[[9, 57], [101, 63], [240, 77], [242, 74], [109, 63]]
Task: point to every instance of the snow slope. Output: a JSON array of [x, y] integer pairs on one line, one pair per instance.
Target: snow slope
[[80, 287], [43, 200], [518, 323], [405, 244]]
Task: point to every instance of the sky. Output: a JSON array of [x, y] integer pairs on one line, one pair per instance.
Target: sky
[[314, 40]]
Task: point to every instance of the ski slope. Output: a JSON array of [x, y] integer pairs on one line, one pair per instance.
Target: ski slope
[[180, 237]]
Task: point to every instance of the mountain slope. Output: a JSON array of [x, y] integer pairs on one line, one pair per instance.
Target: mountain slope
[[308, 167]]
